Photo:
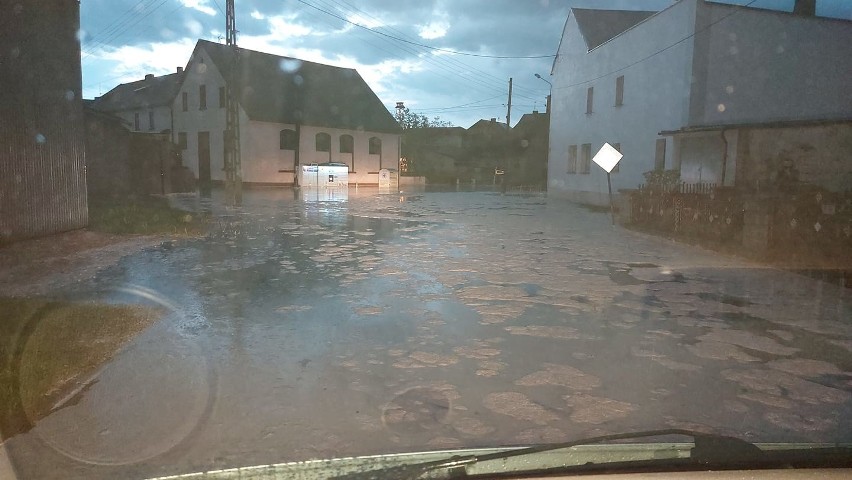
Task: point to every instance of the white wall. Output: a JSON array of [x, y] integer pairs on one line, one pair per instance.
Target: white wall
[[761, 66], [261, 157], [263, 160], [656, 98], [700, 157], [202, 71], [367, 166]]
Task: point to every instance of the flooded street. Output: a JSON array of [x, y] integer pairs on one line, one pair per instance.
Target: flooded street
[[305, 327]]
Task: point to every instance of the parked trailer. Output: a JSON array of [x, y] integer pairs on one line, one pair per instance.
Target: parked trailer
[[324, 175]]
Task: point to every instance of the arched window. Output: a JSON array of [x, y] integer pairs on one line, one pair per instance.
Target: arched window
[[347, 144], [323, 142], [375, 146], [287, 139]]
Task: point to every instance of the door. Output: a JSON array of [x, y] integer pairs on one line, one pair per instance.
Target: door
[[204, 180]]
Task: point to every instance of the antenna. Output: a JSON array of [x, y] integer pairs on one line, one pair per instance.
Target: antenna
[[233, 166]]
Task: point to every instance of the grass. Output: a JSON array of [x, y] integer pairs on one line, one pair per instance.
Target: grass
[[143, 215], [47, 348]]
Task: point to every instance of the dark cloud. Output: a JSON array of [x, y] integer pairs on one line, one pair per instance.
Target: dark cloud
[[490, 27]]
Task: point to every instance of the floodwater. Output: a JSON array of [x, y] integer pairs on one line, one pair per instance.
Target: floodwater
[[307, 326]]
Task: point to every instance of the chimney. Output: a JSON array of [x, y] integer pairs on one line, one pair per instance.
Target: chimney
[[150, 76], [805, 8], [180, 70]]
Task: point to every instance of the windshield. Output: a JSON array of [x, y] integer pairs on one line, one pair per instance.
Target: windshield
[[237, 233]]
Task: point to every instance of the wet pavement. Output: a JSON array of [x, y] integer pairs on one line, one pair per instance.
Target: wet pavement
[[305, 327]]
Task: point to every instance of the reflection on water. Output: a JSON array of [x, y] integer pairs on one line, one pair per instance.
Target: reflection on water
[[390, 322]]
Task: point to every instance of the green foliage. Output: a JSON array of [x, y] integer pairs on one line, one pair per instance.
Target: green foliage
[[409, 120], [146, 215], [662, 179]]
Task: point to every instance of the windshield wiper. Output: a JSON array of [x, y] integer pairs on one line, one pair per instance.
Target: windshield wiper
[[707, 450]]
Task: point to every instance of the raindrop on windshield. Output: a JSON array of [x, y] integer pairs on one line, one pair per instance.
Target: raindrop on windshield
[[290, 65]]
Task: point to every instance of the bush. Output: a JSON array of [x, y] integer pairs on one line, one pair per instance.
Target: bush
[[666, 180]]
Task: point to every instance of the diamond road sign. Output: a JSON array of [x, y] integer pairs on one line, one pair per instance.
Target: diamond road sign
[[607, 157]]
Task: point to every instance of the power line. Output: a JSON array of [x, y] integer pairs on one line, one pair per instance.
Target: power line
[[438, 109], [446, 61], [442, 70], [119, 33], [459, 69], [711, 24], [118, 23], [454, 52], [219, 7]]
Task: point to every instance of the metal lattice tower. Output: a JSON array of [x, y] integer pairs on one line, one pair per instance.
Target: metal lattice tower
[[233, 165]]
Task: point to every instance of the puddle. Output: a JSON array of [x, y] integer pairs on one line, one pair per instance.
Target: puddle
[[723, 298]]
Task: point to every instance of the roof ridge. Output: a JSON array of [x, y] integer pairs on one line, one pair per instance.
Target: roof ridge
[[283, 57]]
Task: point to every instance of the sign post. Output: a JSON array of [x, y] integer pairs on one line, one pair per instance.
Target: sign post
[[607, 158]]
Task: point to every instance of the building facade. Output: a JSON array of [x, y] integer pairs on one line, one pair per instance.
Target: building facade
[[625, 77], [144, 105], [292, 113]]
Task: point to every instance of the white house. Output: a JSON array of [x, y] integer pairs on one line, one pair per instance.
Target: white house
[[292, 112], [144, 105], [633, 78]]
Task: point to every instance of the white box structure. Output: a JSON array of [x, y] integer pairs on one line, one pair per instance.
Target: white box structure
[[324, 175]]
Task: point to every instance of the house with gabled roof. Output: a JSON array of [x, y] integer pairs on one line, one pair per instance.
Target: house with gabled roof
[[144, 105], [652, 81], [292, 112], [528, 150]]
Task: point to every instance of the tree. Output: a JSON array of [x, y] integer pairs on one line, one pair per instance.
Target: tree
[[409, 120]]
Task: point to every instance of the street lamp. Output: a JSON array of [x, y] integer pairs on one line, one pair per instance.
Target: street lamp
[[550, 94], [543, 80]]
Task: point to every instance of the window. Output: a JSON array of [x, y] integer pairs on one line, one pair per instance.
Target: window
[[660, 155], [184, 100], [617, 166], [136, 122], [223, 99], [287, 139], [572, 159], [347, 144], [375, 146], [590, 96], [202, 97], [150, 119], [182, 140], [323, 141], [586, 158], [619, 91]]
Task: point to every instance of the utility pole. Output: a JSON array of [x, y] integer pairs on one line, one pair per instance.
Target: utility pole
[[233, 165], [509, 111]]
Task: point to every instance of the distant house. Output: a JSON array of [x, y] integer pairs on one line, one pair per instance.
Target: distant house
[[527, 164], [144, 105], [292, 112], [634, 78], [121, 163], [449, 154], [42, 163], [486, 145], [433, 153]]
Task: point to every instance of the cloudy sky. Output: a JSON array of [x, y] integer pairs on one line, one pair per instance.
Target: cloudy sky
[[447, 58]]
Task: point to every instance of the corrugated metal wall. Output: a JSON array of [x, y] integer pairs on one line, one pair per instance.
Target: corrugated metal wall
[[42, 161]]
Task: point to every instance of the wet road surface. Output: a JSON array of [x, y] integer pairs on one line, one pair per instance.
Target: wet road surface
[[304, 328]]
